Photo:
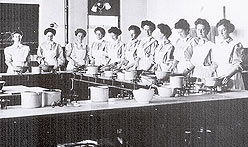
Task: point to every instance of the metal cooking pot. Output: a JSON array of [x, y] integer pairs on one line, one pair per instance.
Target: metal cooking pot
[[31, 99], [130, 75], [164, 91], [176, 81], [92, 70], [50, 96], [99, 93], [120, 75], [36, 69]]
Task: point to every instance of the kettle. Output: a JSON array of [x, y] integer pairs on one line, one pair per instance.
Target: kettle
[[99, 93]]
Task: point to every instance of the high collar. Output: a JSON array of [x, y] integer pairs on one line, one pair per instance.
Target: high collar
[[202, 40], [18, 45], [164, 41], [227, 40]]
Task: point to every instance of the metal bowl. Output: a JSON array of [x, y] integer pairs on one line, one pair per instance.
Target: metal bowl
[[162, 75], [46, 68]]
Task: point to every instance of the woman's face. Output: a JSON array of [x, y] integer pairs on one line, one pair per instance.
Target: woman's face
[[80, 37], [159, 35], [49, 36], [147, 31], [201, 31], [113, 36], [133, 34], [17, 37], [99, 35], [223, 33], [182, 33]]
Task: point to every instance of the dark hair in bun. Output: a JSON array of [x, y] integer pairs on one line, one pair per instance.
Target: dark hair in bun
[[115, 30], [136, 29], [182, 24], [80, 30], [203, 22], [53, 31], [101, 30], [165, 29], [148, 23], [17, 31], [227, 24]]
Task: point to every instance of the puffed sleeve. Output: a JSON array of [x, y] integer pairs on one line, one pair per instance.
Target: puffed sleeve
[[237, 55], [8, 56], [153, 46], [120, 53], [60, 55], [68, 51], [189, 49], [169, 55]]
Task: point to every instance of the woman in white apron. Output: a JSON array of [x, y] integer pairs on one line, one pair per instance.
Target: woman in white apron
[[98, 49], [115, 50], [201, 58], [147, 46], [164, 51], [16, 54], [130, 52], [50, 52], [77, 52], [183, 47], [227, 55]]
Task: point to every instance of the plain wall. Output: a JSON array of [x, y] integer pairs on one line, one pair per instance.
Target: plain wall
[[78, 13], [132, 13]]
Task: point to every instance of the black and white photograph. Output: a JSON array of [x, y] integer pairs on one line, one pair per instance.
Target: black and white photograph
[[123, 73]]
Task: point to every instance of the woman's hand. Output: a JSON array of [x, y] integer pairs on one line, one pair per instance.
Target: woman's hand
[[225, 79]]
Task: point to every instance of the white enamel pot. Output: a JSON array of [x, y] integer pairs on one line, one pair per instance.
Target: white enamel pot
[[176, 81], [49, 96], [99, 93], [31, 99], [130, 75]]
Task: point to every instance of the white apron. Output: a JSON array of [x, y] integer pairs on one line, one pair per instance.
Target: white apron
[[78, 54], [221, 56], [145, 61], [19, 56], [200, 53], [98, 52], [181, 47]]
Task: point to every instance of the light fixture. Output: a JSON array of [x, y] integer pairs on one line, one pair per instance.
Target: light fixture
[[99, 6]]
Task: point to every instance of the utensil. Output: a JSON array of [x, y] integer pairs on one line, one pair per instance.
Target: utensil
[[99, 93]]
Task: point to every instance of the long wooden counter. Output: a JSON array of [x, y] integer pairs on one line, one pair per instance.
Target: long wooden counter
[[199, 120]]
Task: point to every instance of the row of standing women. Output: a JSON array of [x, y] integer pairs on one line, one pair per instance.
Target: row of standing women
[[189, 55]]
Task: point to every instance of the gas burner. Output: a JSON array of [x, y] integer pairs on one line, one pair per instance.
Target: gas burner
[[180, 91], [209, 89]]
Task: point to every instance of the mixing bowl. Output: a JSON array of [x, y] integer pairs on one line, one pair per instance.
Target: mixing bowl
[[143, 95]]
